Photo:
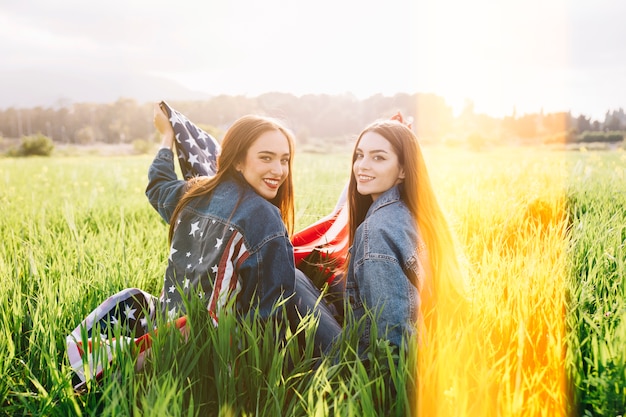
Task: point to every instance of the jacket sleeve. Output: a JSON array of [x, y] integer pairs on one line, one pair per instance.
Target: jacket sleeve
[[164, 189]]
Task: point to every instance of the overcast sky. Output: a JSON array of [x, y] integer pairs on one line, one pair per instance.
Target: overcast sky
[[555, 55]]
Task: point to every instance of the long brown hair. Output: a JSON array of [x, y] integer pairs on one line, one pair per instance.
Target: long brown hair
[[238, 139], [418, 195]]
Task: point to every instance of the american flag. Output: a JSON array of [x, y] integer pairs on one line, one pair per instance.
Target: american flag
[[197, 150], [128, 314], [318, 249]]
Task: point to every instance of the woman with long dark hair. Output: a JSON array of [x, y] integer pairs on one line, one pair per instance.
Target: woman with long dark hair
[[402, 260]]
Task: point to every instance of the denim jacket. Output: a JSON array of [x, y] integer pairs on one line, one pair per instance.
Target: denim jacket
[[231, 244], [385, 270]]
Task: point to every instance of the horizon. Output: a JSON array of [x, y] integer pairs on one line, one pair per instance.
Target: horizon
[[64, 102]]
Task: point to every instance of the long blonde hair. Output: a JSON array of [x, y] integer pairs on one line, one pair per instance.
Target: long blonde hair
[[238, 139], [417, 193]]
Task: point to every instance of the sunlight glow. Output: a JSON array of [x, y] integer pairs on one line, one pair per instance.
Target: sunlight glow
[[507, 356]]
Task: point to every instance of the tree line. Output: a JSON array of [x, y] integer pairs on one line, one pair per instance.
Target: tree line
[[313, 118]]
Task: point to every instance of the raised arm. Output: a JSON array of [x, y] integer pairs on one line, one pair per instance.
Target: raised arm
[[164, 188]]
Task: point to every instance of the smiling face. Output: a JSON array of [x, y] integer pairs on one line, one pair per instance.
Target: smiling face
[[376, 166], [266, 164]]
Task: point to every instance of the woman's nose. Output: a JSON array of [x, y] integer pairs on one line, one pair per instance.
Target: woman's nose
[[277, 168], [362, 163]]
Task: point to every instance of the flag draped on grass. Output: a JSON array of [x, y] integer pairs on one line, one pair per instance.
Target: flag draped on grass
[[129, 315]]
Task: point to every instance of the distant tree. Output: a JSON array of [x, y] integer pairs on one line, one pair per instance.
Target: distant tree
[[34, 145], [314, 117], [527, 126], [583, 123], [596, 125], [85, 135], [553, 123], [614, 120]]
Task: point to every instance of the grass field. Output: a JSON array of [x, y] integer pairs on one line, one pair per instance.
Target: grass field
[[543, 239]]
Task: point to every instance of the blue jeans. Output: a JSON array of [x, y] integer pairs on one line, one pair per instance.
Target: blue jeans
[[307, 299]]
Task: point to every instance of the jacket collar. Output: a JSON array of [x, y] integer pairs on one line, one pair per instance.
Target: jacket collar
[[392, 195]]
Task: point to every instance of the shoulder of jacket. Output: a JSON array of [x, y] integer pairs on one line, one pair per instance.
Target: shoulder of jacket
[[390, 212]]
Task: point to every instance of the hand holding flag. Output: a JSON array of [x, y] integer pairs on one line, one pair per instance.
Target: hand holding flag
[[197, 150], [163, 125]]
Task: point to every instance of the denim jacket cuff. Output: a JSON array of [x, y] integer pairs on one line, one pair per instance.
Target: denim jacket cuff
[[166, 154]]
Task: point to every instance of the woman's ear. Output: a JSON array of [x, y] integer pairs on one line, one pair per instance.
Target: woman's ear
[[401, 174]]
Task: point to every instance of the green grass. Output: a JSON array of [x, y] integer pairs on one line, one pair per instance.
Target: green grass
[[597, 309], [77, 230]]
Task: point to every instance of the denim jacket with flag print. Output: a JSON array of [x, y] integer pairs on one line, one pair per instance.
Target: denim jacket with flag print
[[231, 244], [385, 271]]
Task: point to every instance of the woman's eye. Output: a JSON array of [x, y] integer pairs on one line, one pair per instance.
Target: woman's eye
[[358, 156], [284, 161]]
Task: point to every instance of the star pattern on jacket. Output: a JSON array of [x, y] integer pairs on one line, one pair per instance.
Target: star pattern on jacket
[[209, 271]]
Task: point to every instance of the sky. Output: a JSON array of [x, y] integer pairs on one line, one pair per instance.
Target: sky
[[503, 56]]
